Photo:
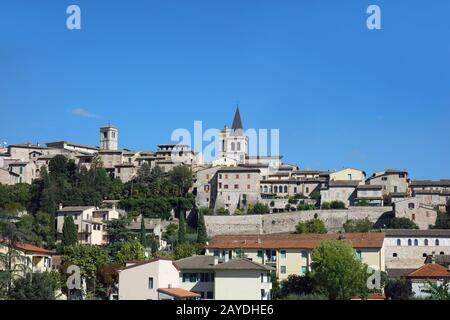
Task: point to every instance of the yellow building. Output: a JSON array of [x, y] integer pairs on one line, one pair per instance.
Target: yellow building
[[291, 253], [34, 259], [348, 174]]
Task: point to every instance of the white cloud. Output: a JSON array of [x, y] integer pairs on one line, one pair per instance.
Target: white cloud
[[82, 113]]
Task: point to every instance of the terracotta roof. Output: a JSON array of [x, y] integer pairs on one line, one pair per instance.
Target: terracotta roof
[[430, 270], [179, 293], [427, 183], [294, 241], [417, 233], [30, 248]]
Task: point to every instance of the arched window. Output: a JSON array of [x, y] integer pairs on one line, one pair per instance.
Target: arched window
[[425, 242], [232, 146], [265, 189], [238, 146], [436, 242], [285, 189], [409, 242], [416, 242], [399, 242], [275, 189], [441, 253]]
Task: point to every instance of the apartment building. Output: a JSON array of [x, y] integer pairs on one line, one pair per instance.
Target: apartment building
[[291, 253], [35, 259]]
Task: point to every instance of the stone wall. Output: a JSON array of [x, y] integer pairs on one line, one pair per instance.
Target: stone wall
[[286, 222]]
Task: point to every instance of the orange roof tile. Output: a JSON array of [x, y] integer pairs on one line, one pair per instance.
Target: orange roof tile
[[294, 241], [179, 293], [430, 270], [30, 248]]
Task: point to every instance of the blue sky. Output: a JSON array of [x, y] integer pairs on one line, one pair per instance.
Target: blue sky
[[341, 95]]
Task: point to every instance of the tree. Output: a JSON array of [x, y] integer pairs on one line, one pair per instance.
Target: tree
[[69, 232], [182, 229], [107, 276], [337, 205], [36, 286], [258, 208], [401, 223], [181, 178], [302, 206], [337, 271], [88, 257], [130, 251], [439, 291], [187, 250], [325, 206], [298, 285], [358, 225], [202, 235], [398, 289], [143, 233], [442, 221], [311, 226], [118, 230]]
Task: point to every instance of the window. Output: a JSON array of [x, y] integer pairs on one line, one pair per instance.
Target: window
[[436, 242], [305, 254], [349, 176], [283, 269], [226, 176], [237, 176], [236, 186], [248, 187], [220, 176], [401, 175], [441, 253], [232, 146], [307, 189], [206, 187], [262, 277], [238, 146], [384, 178], [189, 277], [283, 254], [399, 242], [285, 189], [295, 189], [395, 189], [225, 186], [411, 205], [394, 255], [303, 270], [413, 217], [248, 176], [216, 253], [424, 255], [275, 189], [259, 254], [425, 242], [359, 254], [409, 242], [416, 242], [207, 177], [150, 283]]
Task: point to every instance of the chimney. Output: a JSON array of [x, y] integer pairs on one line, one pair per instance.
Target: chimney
[[216, 260]]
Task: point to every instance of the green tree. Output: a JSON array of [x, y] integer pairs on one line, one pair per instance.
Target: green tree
[[325, 206], [311, 226], [337, 271], [401, 223], [143, 233], [442, 221], [202, 235], [258, 208], [187, 250], [181, 178], [36, 286], [398, 289], [297, 285], [358, 225], [129, 251], [182, 229], [88, 257], [337, 205], [438, 291], [69, 232]]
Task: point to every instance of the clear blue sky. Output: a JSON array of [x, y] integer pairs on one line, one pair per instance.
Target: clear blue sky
[[340, 94]]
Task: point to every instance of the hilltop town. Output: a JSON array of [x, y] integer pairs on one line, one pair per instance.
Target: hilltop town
[[230, 228]]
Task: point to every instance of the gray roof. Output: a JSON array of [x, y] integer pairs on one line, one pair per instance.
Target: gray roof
[[343, 183], [59, 143], [417, 233], [149, 224], [370, 187], [426, 183], [238, 169], [398, 273], [237, 122], [207, 262], [75, 208]]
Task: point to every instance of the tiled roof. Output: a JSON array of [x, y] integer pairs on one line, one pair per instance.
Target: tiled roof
[[427, 183], [369, 187], [195, 262], [30, 248], [179, 293], [343, 183], [75, 208], [430, 270], [398, 272], [241, 264], [294, 241]]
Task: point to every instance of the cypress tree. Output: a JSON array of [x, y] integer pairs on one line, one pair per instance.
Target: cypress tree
[[70, 232], [202, 235], [143, 235], [182, 229]]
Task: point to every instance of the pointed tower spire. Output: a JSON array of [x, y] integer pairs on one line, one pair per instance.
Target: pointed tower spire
[[237, 122]]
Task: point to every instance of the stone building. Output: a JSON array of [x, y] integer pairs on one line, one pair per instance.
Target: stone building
[[340, 190], [421, 214], [433, 193], [394, 182]]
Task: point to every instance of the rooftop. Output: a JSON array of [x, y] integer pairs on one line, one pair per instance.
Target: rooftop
[[75, 208], [417, 233], [179, 293], [294, 241], [430, 270]]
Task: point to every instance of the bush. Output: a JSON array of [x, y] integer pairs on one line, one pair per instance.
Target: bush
[[401, 223], [223, 212], [311, 226], [258, 208], [304, 206], [313, 296], [206, 211], [337, 205], [326, 206], [358, 225]]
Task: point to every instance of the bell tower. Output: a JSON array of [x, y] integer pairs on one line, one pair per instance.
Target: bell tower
[[109, 138]]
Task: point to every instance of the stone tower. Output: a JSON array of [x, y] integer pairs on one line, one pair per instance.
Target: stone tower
[[109, 138], [233, 141]]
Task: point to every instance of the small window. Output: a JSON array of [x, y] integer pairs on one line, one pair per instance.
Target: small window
[[283, 254], [399, 242], [411, 205], [425, 242], [409, 242], [416, 242], [150, 283], [283, 269], [237, 176], [248, 176], [303, 270], [441, 253], [359, 254], [436, 242], [394, 255], [236, 186], [259, 254]]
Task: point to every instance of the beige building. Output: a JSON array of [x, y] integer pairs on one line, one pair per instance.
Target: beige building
[[394, 182], [348, 174], [91, 223], [225, 279], [141, 280], [433, 193], [291, 253], [34, 259], [421, 214], [370, 194], [340, 190]]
